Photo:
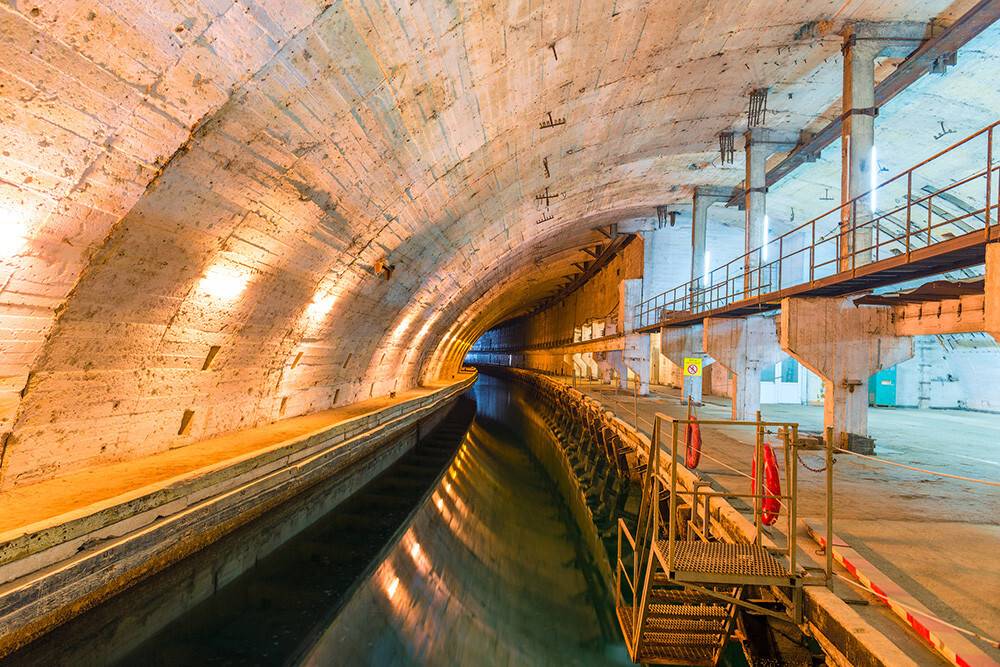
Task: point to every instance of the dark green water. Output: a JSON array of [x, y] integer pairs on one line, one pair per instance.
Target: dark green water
[[457, 555]]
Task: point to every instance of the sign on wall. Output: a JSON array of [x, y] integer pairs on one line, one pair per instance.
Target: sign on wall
[[692, 366]]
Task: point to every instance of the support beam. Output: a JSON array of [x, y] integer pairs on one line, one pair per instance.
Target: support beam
[[924, 59], [845, 345], [747, 346], [991, 313]]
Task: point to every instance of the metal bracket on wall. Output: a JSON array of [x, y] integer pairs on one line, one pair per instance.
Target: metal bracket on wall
[[551, 122]]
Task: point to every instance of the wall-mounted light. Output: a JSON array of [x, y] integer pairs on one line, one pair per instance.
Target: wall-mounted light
[[708, 265], [321, 305], [223, 282], [12, 233]]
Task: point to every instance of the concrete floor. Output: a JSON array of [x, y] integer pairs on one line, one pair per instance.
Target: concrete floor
[[938, 538]]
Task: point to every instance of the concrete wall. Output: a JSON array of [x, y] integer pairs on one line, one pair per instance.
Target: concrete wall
[[951, 371]]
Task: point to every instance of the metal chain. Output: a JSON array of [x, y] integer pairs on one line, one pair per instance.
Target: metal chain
[[806, 466]]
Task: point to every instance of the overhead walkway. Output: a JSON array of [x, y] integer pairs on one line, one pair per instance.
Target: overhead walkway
[[906, 228]]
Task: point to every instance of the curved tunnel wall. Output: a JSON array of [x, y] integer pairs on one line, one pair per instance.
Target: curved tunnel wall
[[179, 178]]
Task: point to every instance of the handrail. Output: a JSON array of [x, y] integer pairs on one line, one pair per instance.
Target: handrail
[[860, 239]]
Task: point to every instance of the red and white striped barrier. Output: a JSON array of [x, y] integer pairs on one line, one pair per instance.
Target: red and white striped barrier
[[950, 643]]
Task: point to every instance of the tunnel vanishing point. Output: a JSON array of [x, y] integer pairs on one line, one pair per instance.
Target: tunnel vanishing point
[[251, 248]]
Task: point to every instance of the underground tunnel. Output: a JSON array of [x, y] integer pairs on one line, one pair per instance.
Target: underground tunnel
[[460, 333]]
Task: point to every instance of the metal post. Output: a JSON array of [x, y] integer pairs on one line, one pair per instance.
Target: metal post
[[909, 206], [673, 500], [758, 500], [989, 178], [829, 508], [812, 254], [791, 445], [781, 257], [930, 200], [637, 403], [854, 234]]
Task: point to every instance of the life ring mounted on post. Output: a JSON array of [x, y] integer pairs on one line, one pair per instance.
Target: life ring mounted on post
[[692, 440], [772, 485]]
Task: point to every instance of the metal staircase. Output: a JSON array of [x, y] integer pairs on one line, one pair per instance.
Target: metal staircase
[[679, 587]]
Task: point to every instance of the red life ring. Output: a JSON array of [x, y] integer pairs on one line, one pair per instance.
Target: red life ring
[[692, 446], [772, 485]]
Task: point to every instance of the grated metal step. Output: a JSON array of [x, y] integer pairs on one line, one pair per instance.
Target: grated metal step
[[723, 562], [662, 645]]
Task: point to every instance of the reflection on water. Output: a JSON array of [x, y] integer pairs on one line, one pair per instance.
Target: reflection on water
[[486, 574]]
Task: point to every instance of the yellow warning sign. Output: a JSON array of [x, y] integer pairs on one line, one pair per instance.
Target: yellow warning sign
[[692, 366]]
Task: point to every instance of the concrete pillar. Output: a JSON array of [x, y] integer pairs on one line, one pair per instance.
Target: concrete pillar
[[704, 196], [678, 344], [845, 345], [755, 199], [857, 139], [761, 143], [604, 365], [992, 305], [636, 350], [746, 346], [617, 362], [636, 358], [863, 42]]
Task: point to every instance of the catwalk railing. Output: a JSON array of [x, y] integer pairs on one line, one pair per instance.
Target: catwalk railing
[[905, 215]]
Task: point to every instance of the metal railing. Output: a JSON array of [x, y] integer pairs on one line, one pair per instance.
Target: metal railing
[[660, 480], [886, 222]]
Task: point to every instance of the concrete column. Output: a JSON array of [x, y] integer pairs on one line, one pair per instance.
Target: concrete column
[[857, 139], [699, 224], [636, 358], [746, 346], [704, 196], [755, 200], [635, 354], [617, 361], [677, 344], [845, 345], [605, 366], [992, 305], [760, 144], [863, 42]]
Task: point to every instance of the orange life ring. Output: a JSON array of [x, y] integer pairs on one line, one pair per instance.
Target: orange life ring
[[772, 485], [692, 445]]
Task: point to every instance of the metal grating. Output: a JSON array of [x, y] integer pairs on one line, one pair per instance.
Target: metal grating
[[723, 558], [688, 610], [686, 649], [669, 627]]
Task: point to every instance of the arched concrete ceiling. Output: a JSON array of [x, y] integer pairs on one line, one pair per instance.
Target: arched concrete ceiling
[[228, 173]]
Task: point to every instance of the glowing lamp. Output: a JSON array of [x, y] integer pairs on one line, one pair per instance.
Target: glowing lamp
[[321, 305], [12, 234], [223, 283]]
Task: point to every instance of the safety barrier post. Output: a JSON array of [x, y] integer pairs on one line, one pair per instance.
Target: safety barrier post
[[909, 207], [829, 507], [989, 179], [758, 499]]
